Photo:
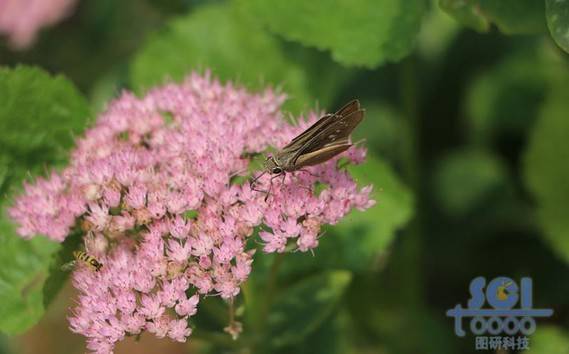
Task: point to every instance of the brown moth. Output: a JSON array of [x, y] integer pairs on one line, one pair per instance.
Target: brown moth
[[326, 138]]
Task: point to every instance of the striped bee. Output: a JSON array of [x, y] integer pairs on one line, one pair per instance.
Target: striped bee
[[83, 257]]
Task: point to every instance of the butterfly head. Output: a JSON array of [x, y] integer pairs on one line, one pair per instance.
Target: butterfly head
[[272, 166]]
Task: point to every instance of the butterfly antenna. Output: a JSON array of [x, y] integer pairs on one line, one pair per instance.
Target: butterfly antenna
[[360, 142], [238, 172]]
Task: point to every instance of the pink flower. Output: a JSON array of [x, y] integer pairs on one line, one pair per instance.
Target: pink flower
[[22, 20], [136, 196], [242, 266], [179, 251], [98, 216], [178, 330], [273, 242], [187, 307], [159, 326], [179, 227], [151, 306], [161, 214], [134, 323]]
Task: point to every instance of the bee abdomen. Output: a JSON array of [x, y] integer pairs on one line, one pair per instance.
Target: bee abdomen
[[88, 260]]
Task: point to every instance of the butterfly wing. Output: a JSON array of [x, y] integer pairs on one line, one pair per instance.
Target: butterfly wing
[[306, 135], [336, 133], [320, 125], [322, 155], [352, 106], [68, 266]]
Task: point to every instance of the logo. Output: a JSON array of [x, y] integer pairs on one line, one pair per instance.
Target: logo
[[499, 325]]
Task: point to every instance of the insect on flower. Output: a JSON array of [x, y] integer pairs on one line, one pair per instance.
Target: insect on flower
[[326, 138], [83, 257]]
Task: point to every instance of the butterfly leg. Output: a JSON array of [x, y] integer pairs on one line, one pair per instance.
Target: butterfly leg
[[300, 185], [258, 190], [271, 184], [310, 173], [253, 181]]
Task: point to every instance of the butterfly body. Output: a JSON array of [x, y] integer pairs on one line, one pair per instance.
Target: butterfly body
[[326, 138]]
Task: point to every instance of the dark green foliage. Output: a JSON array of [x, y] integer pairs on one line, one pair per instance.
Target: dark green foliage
[[468, 135]]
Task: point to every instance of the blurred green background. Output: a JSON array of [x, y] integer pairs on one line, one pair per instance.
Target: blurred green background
[[468, 133]]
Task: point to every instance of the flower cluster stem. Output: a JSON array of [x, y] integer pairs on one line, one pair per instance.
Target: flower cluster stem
[[410, 250]]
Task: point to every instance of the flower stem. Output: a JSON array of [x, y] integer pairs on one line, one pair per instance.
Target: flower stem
[[217, 338], [271, 287], [410, 252]]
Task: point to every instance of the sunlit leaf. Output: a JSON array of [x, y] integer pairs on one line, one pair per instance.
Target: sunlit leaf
[[466, 12], [557, 14], [358, 33], [437, 32], [362, 236], [547, 173], [39, 114], [233, 48], [510, 16], [56, 279], [24, 271]]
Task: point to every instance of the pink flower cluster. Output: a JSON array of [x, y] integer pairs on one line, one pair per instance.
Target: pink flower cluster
[[22, 19], [153, 186]]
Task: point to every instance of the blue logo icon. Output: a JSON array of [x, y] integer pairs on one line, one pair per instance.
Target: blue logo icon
[[500, 316]]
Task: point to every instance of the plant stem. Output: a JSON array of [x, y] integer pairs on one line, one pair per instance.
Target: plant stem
[[410, 154], [218, 338], [271, 287]]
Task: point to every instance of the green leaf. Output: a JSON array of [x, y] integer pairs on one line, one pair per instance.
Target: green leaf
[[382, 132], [511, 16], [546, 170], [466, 12], [467, 179], [5, 345], [222, 39], [549, 340], [57, 277], [39, 113], [362, 236], [505, 99], [22, 275], [557, 15], [324, 76], [358, 33], [4, 173], [437, 32], [302, 308], [330, 338], [379, 306]]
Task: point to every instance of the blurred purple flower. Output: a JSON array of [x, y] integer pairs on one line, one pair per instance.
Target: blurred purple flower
[[21, 20], [136, 173]]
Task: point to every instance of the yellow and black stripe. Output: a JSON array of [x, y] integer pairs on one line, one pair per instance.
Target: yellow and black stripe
[[88, 260]]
